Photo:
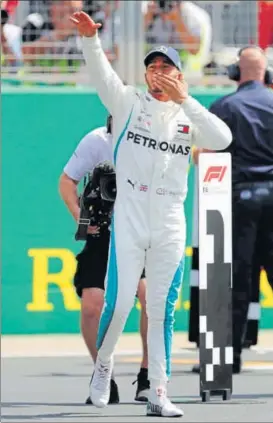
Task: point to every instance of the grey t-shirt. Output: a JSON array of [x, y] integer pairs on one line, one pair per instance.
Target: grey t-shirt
[[94, 148]]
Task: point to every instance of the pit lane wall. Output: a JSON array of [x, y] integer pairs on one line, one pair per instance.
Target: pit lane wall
[[40, 129]]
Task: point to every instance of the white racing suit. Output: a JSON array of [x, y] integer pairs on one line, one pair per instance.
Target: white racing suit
[[152, 145]]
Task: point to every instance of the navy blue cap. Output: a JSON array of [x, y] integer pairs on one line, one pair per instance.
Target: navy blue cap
[[168, 52]]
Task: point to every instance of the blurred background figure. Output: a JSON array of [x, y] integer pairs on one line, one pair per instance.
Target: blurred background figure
[[42, 39], [265, 24], [48, 32], [184, 25], [10, 35], [249, 114], [106, 13], [38, 39]]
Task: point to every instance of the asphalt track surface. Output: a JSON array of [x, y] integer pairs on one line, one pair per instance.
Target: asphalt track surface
[[53, 389]]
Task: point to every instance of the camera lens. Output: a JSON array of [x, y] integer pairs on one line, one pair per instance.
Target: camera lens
[[108, 188]]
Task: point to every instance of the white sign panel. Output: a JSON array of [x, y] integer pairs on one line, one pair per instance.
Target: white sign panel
[[215, 217]]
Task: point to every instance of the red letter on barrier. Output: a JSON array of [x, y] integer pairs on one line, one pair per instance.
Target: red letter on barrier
[[215, 172]]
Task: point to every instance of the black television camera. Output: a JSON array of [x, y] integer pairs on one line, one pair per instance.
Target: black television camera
[[97, 200]]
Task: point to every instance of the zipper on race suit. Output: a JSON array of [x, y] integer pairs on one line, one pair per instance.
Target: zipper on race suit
[[159, 124]]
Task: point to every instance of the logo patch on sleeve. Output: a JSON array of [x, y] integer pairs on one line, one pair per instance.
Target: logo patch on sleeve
[[183, 129]]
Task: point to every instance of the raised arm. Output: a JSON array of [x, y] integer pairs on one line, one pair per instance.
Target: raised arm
[[112, 92]]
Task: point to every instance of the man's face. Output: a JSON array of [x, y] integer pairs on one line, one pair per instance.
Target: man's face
[[61, 10], [160, 64]]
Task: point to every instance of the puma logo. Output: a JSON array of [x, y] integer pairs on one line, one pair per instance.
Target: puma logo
[[131, 183], [154, 409]]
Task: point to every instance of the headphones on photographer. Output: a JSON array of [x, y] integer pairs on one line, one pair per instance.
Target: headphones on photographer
[[234, 72]]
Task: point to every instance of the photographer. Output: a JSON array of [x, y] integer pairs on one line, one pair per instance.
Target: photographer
[[11, 55], [107, 14], [94, 149], [48, 38], [184, 23], [249, 114]]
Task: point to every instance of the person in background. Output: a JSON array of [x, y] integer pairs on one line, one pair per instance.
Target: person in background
[[106, 13], [11, 54], [93, 149], [49, 32], [249, 114], [152, 137], [184, 23], [9, 6]]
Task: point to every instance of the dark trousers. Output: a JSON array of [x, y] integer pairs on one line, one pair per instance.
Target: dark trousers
[[252, 223]]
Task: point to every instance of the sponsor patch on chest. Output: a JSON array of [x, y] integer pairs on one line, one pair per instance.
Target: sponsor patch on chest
[[170, 147], [183, 129]]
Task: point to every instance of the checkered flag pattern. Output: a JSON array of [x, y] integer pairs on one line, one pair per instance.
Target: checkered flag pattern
[[254, 312], [215, 324], [215, 275], [214, 352]]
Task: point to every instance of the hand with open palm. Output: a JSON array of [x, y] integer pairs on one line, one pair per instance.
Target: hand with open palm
[[84, 24]]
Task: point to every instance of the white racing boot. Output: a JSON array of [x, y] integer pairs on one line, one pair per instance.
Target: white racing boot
[[101, 383], [160, 405]]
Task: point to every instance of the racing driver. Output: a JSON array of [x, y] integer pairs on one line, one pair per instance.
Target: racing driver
[[153, 133]]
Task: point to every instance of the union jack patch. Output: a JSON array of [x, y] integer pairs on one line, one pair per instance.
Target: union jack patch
[[143, 188]]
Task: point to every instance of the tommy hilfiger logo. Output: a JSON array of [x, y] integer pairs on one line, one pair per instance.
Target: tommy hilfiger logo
[[183, 129]]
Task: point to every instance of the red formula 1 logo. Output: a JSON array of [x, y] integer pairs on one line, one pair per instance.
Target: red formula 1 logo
[[215, 172]]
